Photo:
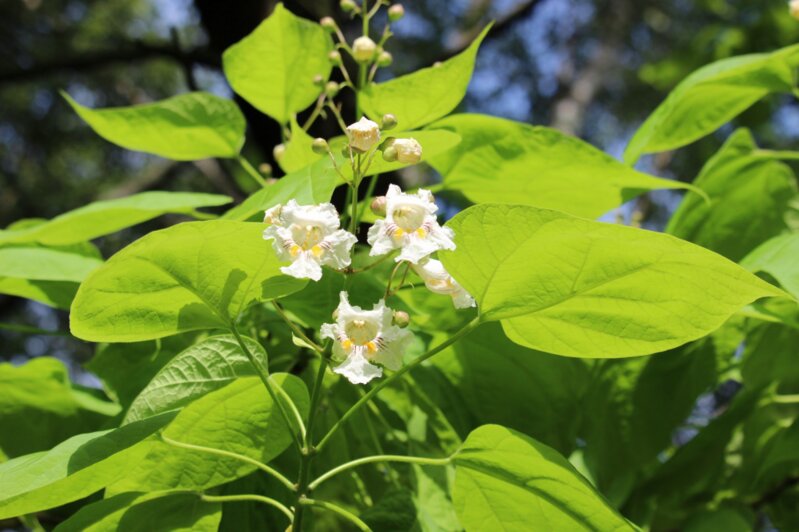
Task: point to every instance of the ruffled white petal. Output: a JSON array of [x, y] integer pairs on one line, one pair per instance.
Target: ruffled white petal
[[397, 341], [358, 370], [304, 267], [438, 280], [338, 246]]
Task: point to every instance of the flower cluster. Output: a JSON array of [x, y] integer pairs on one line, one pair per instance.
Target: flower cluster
[[310, 236]]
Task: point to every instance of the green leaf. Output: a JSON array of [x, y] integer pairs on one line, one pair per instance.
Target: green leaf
[[125, 369], [777, 257], [196, 275], [749, 196], [575, 287], [146, 512], [106, 217], [274, 66], [419, 98], [239, 418], [313, 184], [501, 161], [57, 294], [505, 480], [186, 127], [299, 152], [39, 408], [712, 96], [39, 263], [503, 383], [74, 469], [202, 368]]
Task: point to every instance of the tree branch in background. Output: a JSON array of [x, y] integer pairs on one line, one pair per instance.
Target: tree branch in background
[[139, 51], [501, 26]]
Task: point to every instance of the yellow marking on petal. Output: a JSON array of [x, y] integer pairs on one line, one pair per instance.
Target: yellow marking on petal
[[421, 232], [398, 233], [372, 347], [317, 251], [295, 250], [346, 344]]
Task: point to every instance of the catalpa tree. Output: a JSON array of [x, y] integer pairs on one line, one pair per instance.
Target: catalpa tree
[[301, 364]]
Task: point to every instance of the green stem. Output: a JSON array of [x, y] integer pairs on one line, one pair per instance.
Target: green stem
[[379, 458], [242, 458], [27, 329], [257, 498], [335, 509], [370, 190], [469, 327], [320, 104], [777, 154], [263, 373], [252, 172], [296, 330], [374, 264], [316, 395], [785, 399]]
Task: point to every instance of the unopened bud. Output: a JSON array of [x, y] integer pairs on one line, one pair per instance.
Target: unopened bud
[[363, 134], [384, 59], [348, 6], [389, 121], [334, 57], [409, 151], [396, 12], [378, 206], [390, 154], [437, 64], [401, 319], [328, 23], [793, 9], [318, 79], [363, 49], [332, 88], [265, 168], [279, 151], [319, 146]]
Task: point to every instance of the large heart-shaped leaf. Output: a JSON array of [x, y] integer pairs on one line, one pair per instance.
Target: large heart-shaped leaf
[[202, 368], [196, 275], [505, 480], [575, 287], [73, 469], [712, 96], [186, 127], [501, 161], [419, 98], [239, 418], [274, 66]]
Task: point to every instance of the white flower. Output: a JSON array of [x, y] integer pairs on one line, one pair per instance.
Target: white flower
[[438, 280], [363, 134], [363, 49], [308, 236], [364, 338], [410, 225], [409, 151]]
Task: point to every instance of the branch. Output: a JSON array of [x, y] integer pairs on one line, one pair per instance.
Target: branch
[[500, 27], [139, 51]]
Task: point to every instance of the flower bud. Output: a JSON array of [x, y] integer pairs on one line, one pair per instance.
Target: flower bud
[[378, 206], [793, 9], [318, 79], [334, 57], [409, 151], [363, 134], [328, 23], [390, 154], [348, 6], [265, 168], [401, 319], [363, 49], [279, 151], [396, 12], [384, 59], [332, 88], [389, 121], [437, 64], [319, 146]]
